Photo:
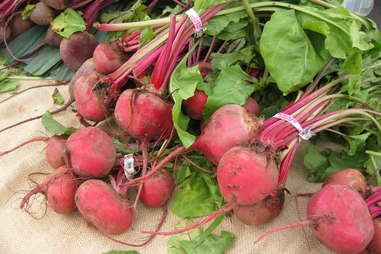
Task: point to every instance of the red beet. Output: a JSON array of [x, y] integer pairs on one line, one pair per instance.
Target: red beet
[[350, 177], [157, 189], [55, 150], [108, 57]]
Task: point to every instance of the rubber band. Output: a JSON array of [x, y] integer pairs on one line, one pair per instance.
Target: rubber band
[[197, 22], [128, 166], [304, 133]]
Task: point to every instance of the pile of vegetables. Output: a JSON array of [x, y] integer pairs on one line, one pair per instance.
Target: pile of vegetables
[[204, 119]]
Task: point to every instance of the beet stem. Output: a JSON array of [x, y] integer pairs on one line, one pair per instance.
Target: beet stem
[[144, 147], [43, 139]]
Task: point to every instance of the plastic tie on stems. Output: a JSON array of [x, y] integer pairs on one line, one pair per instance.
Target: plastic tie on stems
[[304, 133], [128, 166], [197, 22]]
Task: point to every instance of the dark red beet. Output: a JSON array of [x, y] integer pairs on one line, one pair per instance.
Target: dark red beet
[[8, 33], [52, 38], [42, 14], [158, 189], [143, 115], [263, 211], [77, 49], [108, 57], [19, 25], [57, 4], [205, 68], [195, 105]]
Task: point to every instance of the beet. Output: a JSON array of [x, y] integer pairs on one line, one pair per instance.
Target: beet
[[143, 115], [158, 189], [375, 245], [42, 14], [246, 176], [52, 38], [351, 177], [8, 33], [108, 57], [263, 211], [86, 68], [55, 151], [77, 49], [19, 25], [57, 4]]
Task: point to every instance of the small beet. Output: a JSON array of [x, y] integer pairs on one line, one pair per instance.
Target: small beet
[[19, 25], [52, 38], [77, 49], [42, 14], [195, 105], [60, 187], [158, 189], [57, 4], [252, 106], [103, 207], [55, 150], [350, 177], [263, 211], [7, 32], [108, 57]]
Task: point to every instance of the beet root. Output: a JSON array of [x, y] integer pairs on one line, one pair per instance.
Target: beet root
[[55, 151], [103, 207], [57, 4], [374, 246], [42, 14], [52, 38], [19, 25], [90, 103], [351, 177], [86, 68], [143, 115], [340, 219], [246, 176], [229, 126], [60, 187], [77, 49], [158, 189], [263, 211], [108, 57], [91, 152], [5, 33], [195, 105]]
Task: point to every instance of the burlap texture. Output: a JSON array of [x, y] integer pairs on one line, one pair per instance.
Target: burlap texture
[[20, 233]]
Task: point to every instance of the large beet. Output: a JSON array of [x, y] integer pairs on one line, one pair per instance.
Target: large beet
[[77, 49], [42, 14]]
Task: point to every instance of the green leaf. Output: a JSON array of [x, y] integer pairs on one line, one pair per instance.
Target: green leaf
[[121, 252], [288, 53], [182, 85], [356, 142], [197, 242], [7, 85], [232, 86], [27, 11], [213, 244], [198, 193], [68, 22], [353, 63], [316, 163], [245, 55], [146, 35], [54, 127], [57, 97]]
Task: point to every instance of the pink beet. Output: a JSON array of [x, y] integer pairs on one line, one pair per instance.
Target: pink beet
[[350, 177], [55, 150], [103, 207], [157, 189], [91, 152], [108, 57]]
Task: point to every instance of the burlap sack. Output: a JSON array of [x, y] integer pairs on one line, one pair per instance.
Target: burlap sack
[[22, 234]]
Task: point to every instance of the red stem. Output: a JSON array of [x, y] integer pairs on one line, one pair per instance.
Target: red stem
[[167, 159], [38, 189], [210, 217], [25, 143]]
